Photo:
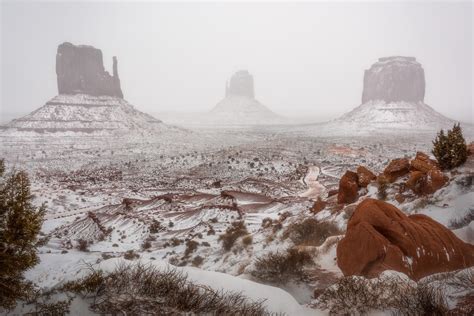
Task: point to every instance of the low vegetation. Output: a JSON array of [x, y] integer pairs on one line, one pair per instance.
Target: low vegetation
[[232, 233], [310, 232], [142, 289], [450, 149], [280, 267], [358, 295], [20, 224]]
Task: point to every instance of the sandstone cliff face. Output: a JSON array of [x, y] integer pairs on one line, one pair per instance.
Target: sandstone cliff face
[[241, 84], [394, 79], [80, 70]]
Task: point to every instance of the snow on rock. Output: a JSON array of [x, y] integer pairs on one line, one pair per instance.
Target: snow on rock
[[84, 113]]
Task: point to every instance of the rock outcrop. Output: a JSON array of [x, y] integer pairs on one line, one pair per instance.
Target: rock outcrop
[[80, 70], [423, 163], [426, 183], [380, 237], [393, 101], [425, 176], [396, 169], [89, 99], [348, 188], [241, 84], [365, 176], [394, 79]]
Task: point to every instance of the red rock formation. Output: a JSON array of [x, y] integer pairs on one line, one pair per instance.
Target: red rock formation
[[365, 176], [426, 177], [423, 163], [348, 188], [380, 237], [397, 168], [318, 206]]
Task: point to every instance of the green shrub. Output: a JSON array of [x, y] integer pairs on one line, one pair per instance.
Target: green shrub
[[20, 224], [450, 149]]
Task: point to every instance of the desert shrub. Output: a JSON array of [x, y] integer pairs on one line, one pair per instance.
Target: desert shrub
[[382, 183], [146, 245], [191, 247], [310, 232], [450, 149], [131, 255], [197, 261], [175, 241], [247, 240], [267, 222], [82, 245], [20, 224], [155, 227], [144, 290], [358, 295], [211, 231], [232, 233], [279, 267]]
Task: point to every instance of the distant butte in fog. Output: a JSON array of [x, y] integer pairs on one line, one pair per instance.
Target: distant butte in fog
[[393, 98], [241, 84], [394, 79], [239, 107], [89, 100], [80, 69]]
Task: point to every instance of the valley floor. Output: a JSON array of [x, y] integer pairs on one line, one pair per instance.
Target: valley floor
[[170, 200]]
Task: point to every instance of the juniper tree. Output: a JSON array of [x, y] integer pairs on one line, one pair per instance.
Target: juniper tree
[[450, 149], [20, 223]]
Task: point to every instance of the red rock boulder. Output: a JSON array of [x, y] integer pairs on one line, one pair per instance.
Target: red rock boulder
[[428, 183], [318, 206], [396, 168], [380, 237], [348, 188], [423, 163], [365, 176]]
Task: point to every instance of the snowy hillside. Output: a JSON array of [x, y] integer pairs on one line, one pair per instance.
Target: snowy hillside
[[396, 115], [241, 110], [85, 113]]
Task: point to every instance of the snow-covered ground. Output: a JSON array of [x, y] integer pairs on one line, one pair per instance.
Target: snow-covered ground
[[109, 190]]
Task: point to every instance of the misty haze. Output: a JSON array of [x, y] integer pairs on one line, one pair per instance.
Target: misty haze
[[161, 158]]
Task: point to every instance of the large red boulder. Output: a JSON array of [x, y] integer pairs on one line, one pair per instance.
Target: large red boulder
[[380, 237], [423, 163], [365, 176], [348, 188], [396, 168]]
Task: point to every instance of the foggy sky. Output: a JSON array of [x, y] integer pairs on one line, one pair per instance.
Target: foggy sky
[[307, 59]]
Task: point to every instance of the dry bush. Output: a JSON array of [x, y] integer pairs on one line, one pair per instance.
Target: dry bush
[[310, 232], [247, 240], [358, 295], [382, 183], [146, 245], [82, 245], [197, 261], [155, 227], [191, 247], [144, 290], [280, 267], [131, 255], [232, 233]]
